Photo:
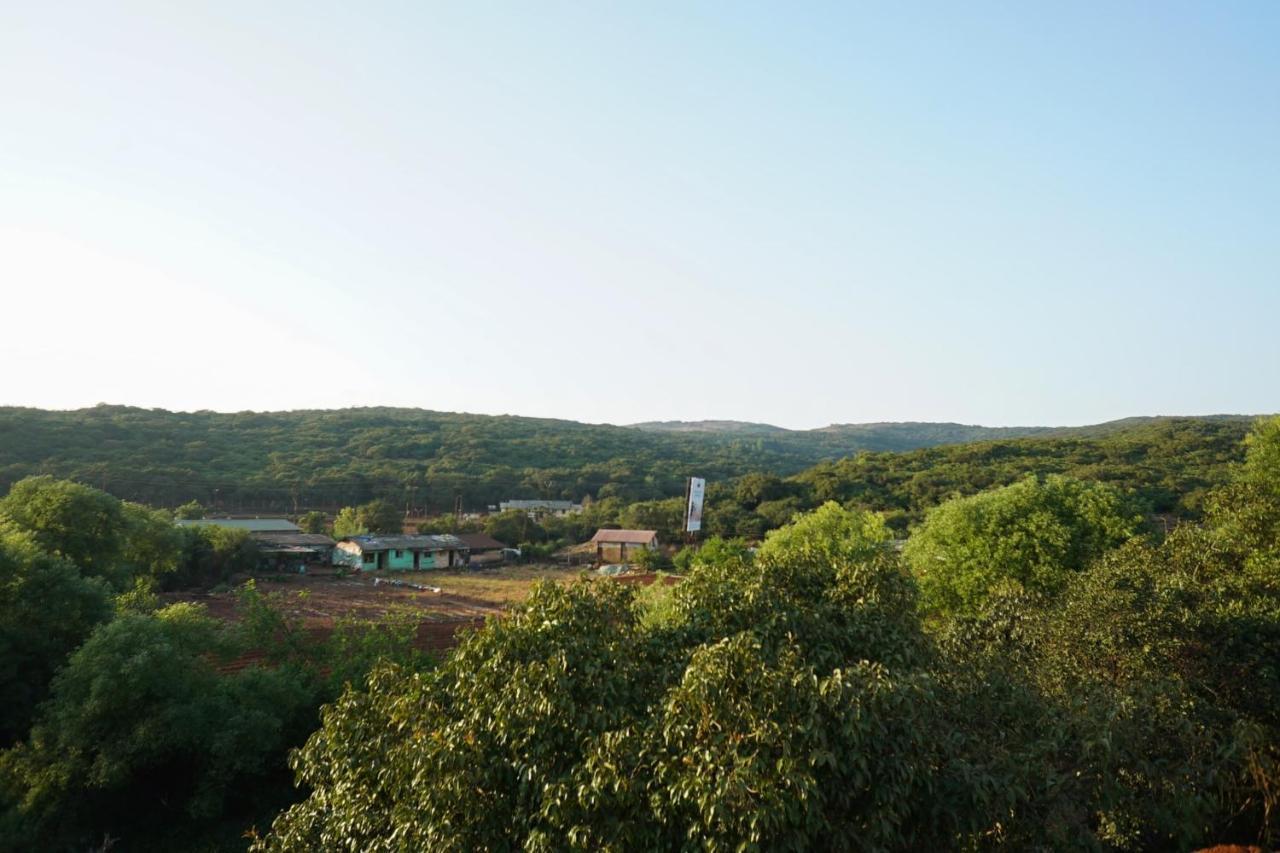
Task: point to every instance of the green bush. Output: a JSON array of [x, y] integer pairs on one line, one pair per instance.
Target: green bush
[[1032, 534]]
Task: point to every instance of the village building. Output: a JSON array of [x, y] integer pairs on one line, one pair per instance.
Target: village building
[[294, 548], [483, 548], [536, 508], [401, 553], [613, 546], [281, 543], [253, 525]]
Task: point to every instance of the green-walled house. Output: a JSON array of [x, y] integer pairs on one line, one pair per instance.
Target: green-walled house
[[401, 553]]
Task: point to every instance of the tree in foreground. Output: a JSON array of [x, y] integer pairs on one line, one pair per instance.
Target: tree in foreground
[[78, 523], [794, 699], [144, 740], [573, 722], [46, 610]]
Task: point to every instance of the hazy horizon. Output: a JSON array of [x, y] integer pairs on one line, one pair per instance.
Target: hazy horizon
[[926, 212], [652, 420]]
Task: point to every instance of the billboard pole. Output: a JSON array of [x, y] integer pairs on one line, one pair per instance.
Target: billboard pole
[[695, 492], [688, 534]]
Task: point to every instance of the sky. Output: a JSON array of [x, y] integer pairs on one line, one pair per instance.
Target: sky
[[795, 213]]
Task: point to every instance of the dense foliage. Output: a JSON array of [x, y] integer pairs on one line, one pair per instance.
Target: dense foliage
[[1032, 534], [1165, 470], [1074, 679], [124, 723], [144, 738], [292, 461], [1169, 466], [806, 696], [47, 608]]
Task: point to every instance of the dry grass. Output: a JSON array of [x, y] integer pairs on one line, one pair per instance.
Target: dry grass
[[505, 585]]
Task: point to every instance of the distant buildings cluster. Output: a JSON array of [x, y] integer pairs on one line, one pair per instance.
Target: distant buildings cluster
[[283, 545]]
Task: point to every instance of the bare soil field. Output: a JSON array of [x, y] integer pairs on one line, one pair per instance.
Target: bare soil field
[[319, 600], [466, 598]]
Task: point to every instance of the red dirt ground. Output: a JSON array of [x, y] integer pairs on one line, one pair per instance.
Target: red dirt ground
[[318, 601]]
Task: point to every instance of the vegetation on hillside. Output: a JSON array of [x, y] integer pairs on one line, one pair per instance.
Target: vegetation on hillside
[[293, 461], [1166, 468]]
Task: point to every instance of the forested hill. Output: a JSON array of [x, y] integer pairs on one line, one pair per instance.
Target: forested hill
[[294, 460], [843, 439], [1168, 464]]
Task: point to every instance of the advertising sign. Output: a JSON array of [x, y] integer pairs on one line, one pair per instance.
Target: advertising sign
[[693, 512]]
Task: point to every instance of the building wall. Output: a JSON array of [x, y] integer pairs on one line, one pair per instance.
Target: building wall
[[612, 552], [350, 554], [399, 560]]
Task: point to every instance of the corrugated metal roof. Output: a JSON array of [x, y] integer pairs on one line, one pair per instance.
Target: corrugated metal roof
[[624, 537], [527, 505], [253, 525], [480, 542], [310, 540], [420, 542]]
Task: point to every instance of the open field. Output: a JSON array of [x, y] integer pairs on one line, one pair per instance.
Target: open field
[[466, 598], [504, 585], [319, 600]]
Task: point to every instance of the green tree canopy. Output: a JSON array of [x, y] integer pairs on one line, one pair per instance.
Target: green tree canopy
[[80, 523], [374, 517], [46, 610], [143, 740], [348, 523], [189, 510], [380, 516], [1034, 534], [312, 522], [575, 722]]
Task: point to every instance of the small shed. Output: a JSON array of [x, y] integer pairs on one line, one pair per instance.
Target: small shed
[[615, 545], [401, 553], [483, 548], [295, 548]]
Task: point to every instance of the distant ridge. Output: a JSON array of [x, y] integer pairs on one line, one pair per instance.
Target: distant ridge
[[733, 427], [278, 461], [912, 435]]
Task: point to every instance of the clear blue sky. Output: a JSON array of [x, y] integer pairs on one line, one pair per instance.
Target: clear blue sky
[[793, 213]]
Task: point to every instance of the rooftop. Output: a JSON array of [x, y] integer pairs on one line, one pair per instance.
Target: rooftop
[[304, 540], [624, 537], [480, 541], [531, 504], [419, 542], [253, 525]]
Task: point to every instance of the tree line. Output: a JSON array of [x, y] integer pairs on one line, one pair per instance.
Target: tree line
[[289, 462]]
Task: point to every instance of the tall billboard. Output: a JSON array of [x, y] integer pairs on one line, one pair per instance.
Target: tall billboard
[[693, 510]]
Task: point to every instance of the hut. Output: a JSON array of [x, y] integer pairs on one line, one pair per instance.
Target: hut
[[613, 546], [401, 553]]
